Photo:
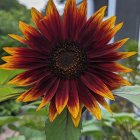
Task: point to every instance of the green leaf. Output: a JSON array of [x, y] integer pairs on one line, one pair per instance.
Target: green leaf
[[136, 134], [17, 138], [131, 93], [62, 128], [8, 119], [89, 127], [8, 91], [31, 133]]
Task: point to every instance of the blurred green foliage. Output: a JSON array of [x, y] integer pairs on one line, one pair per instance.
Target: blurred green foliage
[[133, 62], [9, 5], [11, 12], [28, 123], [120, 126], [9, 108]]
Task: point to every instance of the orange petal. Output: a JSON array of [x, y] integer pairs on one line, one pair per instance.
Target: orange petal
[[112, 80], [124, 55], [8, 66], [28, 30], [112, 32], [70, 19], [52, 24], [51, 10], [94, 108], [7, 58], [101, 10], [52, 111], [23, 51], [113, 67], [117, 28], [103, 102], [62, 96], [36, 16], [105, 26], [106, 49], [28, 97], [10, 50], [20, 82], [98, 16], [94, 83], [18, 38], [21, 97], [29, 77], [109, 23], [69, 3], [83, 9], [92, 26], [119, 43], [38, 90], [88, 100], [76, 120], [49, 95], [73, 103]]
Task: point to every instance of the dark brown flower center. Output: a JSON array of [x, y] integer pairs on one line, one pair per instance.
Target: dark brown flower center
[[68, 60]]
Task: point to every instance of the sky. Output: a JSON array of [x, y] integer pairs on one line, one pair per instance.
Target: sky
[[40, 4]]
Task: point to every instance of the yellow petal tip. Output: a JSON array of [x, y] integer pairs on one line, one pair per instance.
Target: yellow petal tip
[[40, 106], [104, 8], [38, 109], [99, 116], [59, 110], [10, 35], [19, 99]]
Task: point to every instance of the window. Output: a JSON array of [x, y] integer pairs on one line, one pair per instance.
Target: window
[[111, 6], [100, 3]]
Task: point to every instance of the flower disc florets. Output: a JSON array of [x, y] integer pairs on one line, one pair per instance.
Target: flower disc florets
[[67, 60]]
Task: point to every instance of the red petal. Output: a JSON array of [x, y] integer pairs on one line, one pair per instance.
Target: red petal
[[38, 90], [80, 19], [52, 110], [18, 62], [114, 56], [82, 9], [97, 51], [73, 103], [26, 65], [49, 95], [62, 95], [111, 66], [88, 100], [35, 39], [24, 52], [28, 30], [112, 80], [30, 77], [96, 85], [90, 28], [70, 13], [19, 38], [36, 16], [76, 120], [110, 34], [105, 27], [51, 24], [102, 101]]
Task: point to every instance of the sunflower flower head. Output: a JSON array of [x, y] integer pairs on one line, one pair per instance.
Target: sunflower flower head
[[68, 61]]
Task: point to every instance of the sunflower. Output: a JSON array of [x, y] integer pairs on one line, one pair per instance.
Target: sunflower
[[68, 61]]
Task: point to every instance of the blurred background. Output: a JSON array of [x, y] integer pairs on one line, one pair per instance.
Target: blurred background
[[20, 121]]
